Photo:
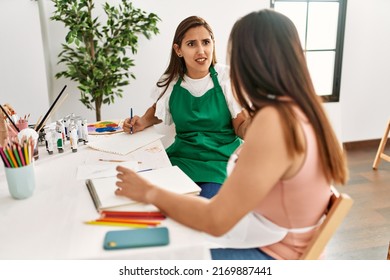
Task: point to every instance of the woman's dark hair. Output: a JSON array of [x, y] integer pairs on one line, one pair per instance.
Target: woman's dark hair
[[268, 68]]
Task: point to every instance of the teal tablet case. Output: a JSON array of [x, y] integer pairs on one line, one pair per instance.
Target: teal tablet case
[[133, 238]]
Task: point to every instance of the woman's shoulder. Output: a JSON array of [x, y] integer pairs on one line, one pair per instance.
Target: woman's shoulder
[[161, 92], [223, 71]]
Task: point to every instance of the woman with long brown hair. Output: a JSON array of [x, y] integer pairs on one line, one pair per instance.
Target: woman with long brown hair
[[279, 184]]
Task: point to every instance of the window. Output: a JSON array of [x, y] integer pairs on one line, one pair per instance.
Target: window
[[320, 24]]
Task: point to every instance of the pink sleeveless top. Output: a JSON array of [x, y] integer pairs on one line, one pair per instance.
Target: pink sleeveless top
[[297, 202]]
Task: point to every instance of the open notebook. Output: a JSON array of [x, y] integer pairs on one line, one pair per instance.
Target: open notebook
[[170, 178]]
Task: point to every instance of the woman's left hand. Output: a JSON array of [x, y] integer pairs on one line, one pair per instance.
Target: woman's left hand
[[132, 185]]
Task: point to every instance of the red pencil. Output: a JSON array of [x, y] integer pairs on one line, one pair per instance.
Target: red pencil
[[143, 215], [21, 155], [3, 156]]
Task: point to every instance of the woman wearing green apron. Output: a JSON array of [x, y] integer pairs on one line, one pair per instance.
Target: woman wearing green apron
[[195, 95]]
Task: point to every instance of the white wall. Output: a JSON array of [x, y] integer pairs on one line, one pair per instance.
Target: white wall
[[365, 90], [361, 114], [152, 57], [23, 81]]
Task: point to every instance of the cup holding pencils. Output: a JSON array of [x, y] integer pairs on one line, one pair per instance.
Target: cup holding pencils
[[19, 168]]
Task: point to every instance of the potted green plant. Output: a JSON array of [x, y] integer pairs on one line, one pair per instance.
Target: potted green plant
[[95, 54]]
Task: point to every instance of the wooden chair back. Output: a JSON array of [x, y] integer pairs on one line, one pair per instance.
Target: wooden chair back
[[339, 206], [380, 153]]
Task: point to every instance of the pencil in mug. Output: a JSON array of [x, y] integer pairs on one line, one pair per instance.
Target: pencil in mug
[[25, 152], [21, 155], [4, 158], [16, 155], [11, 155], [8, 157]]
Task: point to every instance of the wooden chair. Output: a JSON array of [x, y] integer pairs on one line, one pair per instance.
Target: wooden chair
[[339, 206], [380, 154]]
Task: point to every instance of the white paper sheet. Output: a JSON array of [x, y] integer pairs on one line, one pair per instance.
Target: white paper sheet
[[88, 171], [124, 143]]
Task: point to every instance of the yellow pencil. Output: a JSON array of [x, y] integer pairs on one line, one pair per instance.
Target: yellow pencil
[[116, 224], [26, 153]]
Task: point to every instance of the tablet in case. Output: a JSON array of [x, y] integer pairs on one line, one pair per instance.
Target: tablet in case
[[133, 238]]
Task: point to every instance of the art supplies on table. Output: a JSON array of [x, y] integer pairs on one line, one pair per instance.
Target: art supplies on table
[[128, 219], [134, 238], [124, 143], [17, 153], [105, 127], [171, 178], [19, 168], [144, 215]]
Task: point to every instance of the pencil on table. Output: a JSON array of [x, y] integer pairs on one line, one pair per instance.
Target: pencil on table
[[98, 223], [129, 221], [116, 160], [123, 214]]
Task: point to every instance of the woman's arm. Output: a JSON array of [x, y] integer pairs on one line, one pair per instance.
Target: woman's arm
[[263, 161], [241, 123]]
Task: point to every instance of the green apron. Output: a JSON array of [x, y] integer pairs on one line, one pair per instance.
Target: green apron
[[205, 136]]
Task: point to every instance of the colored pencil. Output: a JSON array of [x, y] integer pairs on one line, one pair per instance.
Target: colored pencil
[[4, 158], [13, 160], [16, 155], [26, 154], [129, 221], [115, 224], [8, 157], [130, 214], [116, 160], [21, 156]]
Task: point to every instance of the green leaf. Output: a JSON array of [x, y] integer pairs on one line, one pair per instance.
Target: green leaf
[[95, 53]]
